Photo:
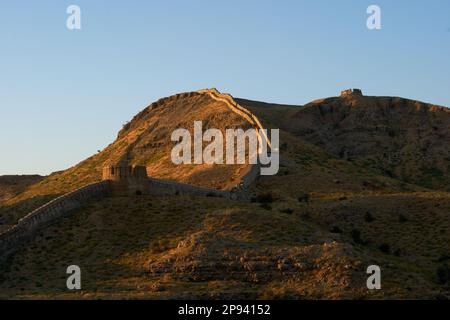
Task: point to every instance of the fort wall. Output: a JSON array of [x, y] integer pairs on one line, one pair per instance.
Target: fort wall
[[27, 227]]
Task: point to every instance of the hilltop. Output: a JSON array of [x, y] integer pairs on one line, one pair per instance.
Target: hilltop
[[362, 180]]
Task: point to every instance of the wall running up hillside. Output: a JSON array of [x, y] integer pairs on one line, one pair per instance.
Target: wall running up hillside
[[27, 227], [49, 213], [238, 109]]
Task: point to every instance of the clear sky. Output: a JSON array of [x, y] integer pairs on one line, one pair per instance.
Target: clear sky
[[65, 94]]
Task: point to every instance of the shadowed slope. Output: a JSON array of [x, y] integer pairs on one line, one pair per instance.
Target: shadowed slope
[[400, 138]]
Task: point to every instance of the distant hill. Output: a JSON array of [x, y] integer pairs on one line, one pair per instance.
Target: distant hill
[[400, 138], [12, 185]]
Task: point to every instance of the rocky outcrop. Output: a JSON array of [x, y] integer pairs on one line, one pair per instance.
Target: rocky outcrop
[[208, 256]]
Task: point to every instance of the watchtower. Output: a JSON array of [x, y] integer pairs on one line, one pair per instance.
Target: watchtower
[[126, 179], [353, 92]]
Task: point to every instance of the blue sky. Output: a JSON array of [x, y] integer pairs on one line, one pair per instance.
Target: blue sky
[[65, 94]]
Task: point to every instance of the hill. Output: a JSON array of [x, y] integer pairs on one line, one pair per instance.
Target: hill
[[145, 140], [399, 138], [362, 180]]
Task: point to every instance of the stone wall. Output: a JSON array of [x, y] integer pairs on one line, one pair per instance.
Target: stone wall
[[238, 109], [229, 101], [250, 176], [27, 227]]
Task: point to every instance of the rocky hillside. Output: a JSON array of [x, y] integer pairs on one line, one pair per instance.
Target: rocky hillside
[[194, 247], [399, 138], [362, 180]]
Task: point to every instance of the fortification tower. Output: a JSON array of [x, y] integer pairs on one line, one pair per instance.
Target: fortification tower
[[126, 179], [351, 92]]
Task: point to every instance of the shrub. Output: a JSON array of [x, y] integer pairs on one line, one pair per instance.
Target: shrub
[[303, 198], [266, 206], [443, 274], [385, 248], [263, 198], [336, 229], [211, 195], [368, 217], [443, 258], [287, 210], [402, 218], [356, 236]]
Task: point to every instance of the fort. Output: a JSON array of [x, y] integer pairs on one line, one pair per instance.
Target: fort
[[126, 179], [353, 92], [129, 180]]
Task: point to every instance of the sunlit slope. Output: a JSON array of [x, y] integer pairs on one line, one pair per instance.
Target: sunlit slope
[[146, 140], [11, 185]]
